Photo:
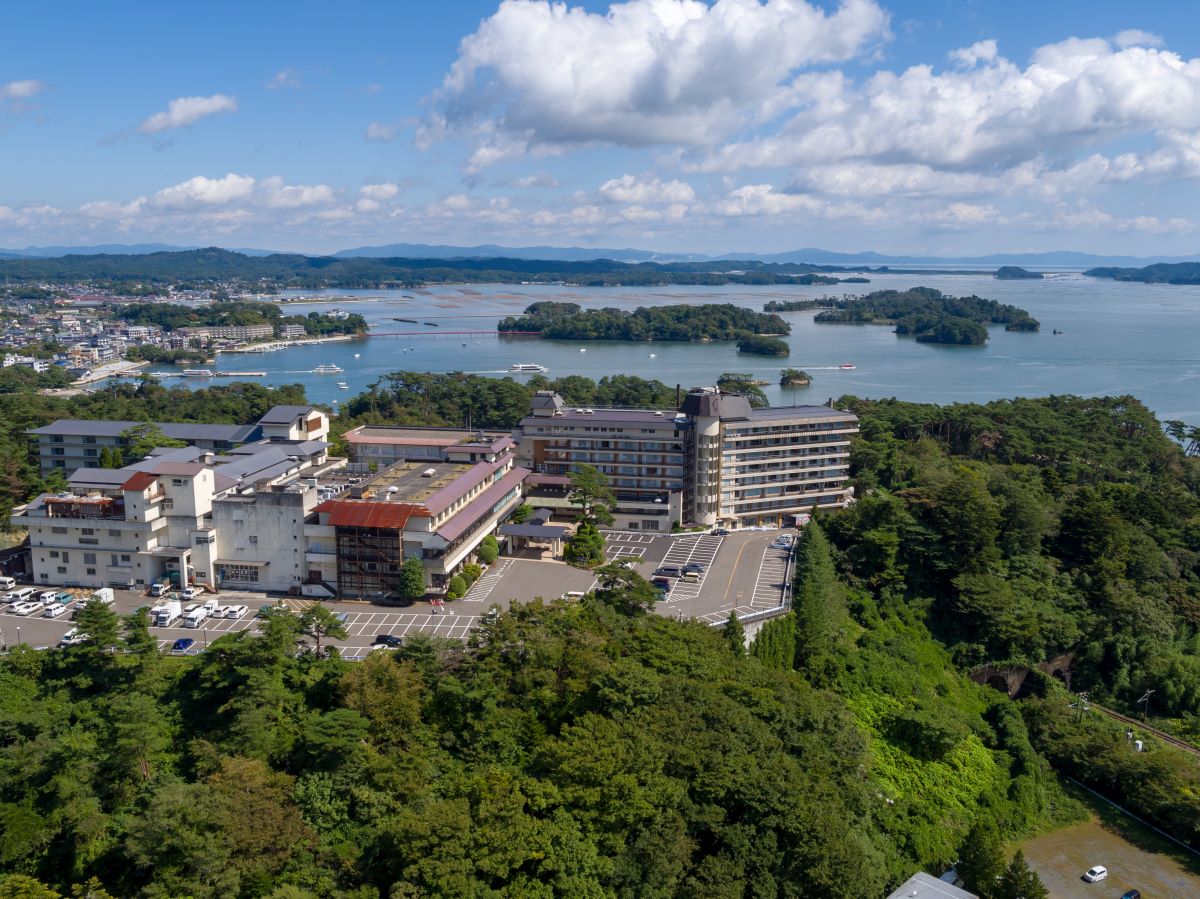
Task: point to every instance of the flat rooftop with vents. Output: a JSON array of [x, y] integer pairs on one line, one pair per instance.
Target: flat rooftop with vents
[[412, 482]]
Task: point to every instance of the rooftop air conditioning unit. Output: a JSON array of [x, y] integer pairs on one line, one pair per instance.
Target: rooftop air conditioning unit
[[579, 411], [658, 413], [589, 411]]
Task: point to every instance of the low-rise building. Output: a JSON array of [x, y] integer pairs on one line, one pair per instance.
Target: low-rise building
[[384, 445]]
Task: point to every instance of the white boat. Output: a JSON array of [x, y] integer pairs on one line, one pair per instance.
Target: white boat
[[583, 349], [527, 367], [654, 355], [356, 355], [847, 365], [342, 385], [198, 373], [328, 369]]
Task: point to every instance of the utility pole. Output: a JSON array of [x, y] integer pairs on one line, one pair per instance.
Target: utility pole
[[1081, 706], [1144, 702]]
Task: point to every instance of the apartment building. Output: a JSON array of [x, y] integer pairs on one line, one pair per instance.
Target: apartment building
[[715, 461], [642, 452], [751, 467], [228, 332], [437, 512], [160, 517], [68, 444]]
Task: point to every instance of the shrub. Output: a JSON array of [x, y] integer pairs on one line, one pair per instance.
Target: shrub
[[470, 573], [456, 588], [488, 550]]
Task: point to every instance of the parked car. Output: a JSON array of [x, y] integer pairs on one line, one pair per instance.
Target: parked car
[[159, 589], [190, 593], [573, 595], [7, 583], [28, 607], [391, 641], [692, 577], [55, 610], [668, 571], [1131, 894], [720, 532], [1095, 874], [65, 639], [695, 567], [492, 615], [236, 611], [183, 644], [48, 596]]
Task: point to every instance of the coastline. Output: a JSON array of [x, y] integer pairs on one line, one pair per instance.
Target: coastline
[[111, 370], [273, 345]]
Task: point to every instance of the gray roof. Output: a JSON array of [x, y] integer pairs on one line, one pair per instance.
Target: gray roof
[[535, 531], [791, 413], [714, 404], [926, 886], [69, 427], [639, 417], [282, 415]]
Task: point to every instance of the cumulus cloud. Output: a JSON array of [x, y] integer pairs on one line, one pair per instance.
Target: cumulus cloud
[[981, 51], [21, 90], [643, 190], [541, 179], [991, 115], [646, 72], [186, 111], [201, 191], [284, 78], [381, 132], [1134, 37]]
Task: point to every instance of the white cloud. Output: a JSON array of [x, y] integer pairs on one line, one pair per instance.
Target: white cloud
[[21, 90], [186, 111], [1134, 37], [1073, 95], [286, 77], [677, 72], [981, 51], [541, 179], [201, 191], [381, 132], [642, 190], [277, 195], [383, 191]]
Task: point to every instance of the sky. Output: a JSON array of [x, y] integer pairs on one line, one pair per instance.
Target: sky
[[929, 126]]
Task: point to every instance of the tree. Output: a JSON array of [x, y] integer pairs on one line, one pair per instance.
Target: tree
[[590, 491], [743, 383], [624, 589], [18, 886], [138, 638], [456, 587], [144, 437], [775, 643], [488, 550], [412, 580], [320, 622], [586, 548], [981, 857], [735, 634], [816, 596], [1019, 881], [521, 514], [106, 460], [100, 623]]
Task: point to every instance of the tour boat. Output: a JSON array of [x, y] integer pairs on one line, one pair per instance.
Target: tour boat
[[327, 369], [197, 373], [527, 367], [847, 365]]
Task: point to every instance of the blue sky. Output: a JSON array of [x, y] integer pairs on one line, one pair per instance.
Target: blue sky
[[679, 125]]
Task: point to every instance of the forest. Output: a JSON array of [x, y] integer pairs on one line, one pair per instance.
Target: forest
[[709, 321], [929, 315], [1160, 273], [172, 317]]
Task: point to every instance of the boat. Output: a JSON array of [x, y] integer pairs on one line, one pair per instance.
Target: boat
[[342, 385], [654, 355], [583, 349], [356, 355], [432, 324], [328, 369], [847, 366], [407, 321], [198, 373], [527, 367]]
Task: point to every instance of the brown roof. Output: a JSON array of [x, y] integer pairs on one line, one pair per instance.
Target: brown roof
[[367, 514], [140, 480]]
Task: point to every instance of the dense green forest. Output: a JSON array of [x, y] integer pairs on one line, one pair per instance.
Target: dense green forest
[[759, 345], [197, 268], [172, 317], [709, 321], [929, 315], [1016, 273], [1161, 273]]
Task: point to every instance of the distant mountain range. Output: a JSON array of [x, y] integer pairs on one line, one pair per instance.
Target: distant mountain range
[[813, 255]]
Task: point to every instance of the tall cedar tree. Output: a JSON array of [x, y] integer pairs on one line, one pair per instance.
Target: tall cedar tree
[[815, 597]]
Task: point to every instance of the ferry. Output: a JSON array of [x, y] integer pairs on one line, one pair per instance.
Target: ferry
[[342, 385], [847, 366], [198, 373], [328, 369], [527, 368]]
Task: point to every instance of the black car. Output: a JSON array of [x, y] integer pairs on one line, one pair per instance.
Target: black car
[[389, 640], [720, 532], [693, 566], [1131, 894]]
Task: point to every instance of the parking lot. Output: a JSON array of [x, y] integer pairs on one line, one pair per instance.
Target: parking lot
[[741, 571]]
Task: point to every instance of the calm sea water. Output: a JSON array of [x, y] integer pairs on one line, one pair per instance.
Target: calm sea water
[[1117, 339]]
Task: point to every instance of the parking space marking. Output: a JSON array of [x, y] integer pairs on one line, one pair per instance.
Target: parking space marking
[[482, 588], [772, 578], [685, 550]]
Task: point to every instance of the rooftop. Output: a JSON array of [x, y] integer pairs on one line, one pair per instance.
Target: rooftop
[[926, 886], [639, 417], [175, 430], [413, 482], [402, 436], [282, 415]]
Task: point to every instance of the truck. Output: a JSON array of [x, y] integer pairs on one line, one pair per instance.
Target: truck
[[105, 595], [195, 616], [166, 614]]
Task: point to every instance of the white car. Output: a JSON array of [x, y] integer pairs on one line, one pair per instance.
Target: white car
[[27, 608], [55, 609], [235, 611], [1095, 874], [190, 593]]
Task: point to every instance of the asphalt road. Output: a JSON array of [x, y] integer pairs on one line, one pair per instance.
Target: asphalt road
[[742, 571]]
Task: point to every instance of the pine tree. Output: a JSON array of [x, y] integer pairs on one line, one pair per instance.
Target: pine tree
[[775, 644], [816, 596], [981, 858], [106, 460], [1019, 881], [735, 634]]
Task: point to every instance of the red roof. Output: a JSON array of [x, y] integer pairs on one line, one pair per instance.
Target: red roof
[[367, 514], [139, 480]]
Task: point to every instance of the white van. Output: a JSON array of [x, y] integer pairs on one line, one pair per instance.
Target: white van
[[56, 609], [23, 595], [7, 583], [236, 611]]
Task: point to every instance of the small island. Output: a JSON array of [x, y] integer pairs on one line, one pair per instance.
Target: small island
[[794, 377], [1016, 273], [929, 315], [760, 345], [1161, 273], [724, 321]]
